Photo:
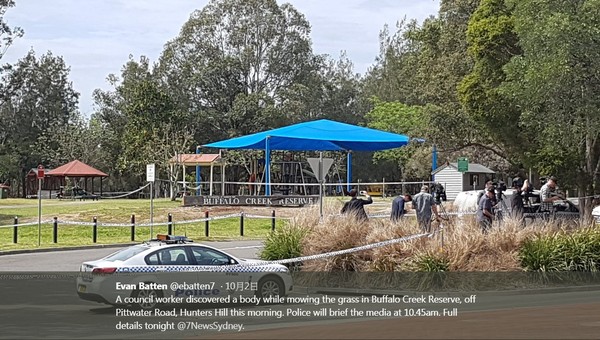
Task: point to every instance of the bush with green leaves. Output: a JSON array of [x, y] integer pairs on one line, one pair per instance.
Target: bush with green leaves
[[578, 251], [430, 262], [284, 243]]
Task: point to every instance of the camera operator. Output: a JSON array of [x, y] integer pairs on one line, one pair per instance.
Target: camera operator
[[517, 206], [485, 214], [398, 206], [356, 205], [548, 196], [424, 205]]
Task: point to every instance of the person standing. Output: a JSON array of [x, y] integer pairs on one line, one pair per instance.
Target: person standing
[[517, 206], [356, 205], [424, 206], [398, 206], [488, 185], [485, 214]]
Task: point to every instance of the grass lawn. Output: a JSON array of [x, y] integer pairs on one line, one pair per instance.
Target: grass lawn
[[117, 211]]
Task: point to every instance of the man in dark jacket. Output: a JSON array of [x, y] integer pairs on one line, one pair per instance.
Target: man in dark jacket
[[398, 206], [356, 205]]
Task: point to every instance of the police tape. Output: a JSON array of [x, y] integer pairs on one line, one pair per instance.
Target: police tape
[[349, 250], [240, 267], [453, 213], [127, 194], [26, 224], [75, 223]]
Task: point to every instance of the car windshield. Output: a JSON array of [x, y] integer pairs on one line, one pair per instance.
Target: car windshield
[[126, 253]]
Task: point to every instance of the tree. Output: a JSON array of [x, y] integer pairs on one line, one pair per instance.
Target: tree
[[148, 128], [36, 95], [233, 64], [492, 44], [7, 34], [423, 65], [555, 83], [403, 119]]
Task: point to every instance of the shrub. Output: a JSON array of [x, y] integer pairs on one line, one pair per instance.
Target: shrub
[[430, 262], [284, 243], [578, 251]]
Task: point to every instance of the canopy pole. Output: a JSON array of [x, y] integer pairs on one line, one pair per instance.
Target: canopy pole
[[433, 161], [198, 178], [223, 179], [349, 171], [267, 167], [210, 190]]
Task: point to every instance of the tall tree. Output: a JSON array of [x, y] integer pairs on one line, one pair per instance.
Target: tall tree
[[492, 44], [36, 95], [142, 116], [7, 34], [233, 63], [403, 119], [555, 83]]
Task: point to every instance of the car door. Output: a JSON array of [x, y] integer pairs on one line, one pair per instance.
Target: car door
[[218, 268], [174, 268]]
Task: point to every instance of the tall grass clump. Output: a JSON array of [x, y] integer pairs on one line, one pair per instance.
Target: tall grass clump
[[430, 262], [284, 243], [337, 233], [561, 251]]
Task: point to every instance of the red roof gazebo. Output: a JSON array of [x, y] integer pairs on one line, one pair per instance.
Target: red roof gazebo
[[78, 169]]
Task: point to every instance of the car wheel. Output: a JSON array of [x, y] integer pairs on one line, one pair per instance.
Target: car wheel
[[270, 286], [145, 298]]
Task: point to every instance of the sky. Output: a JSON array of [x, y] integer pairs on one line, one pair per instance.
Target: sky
[[96, 38]]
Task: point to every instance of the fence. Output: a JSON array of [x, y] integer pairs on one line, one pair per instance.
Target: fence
[[308, 187], [132, 225]]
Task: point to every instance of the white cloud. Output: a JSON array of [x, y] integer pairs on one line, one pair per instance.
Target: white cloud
[[96, 37]]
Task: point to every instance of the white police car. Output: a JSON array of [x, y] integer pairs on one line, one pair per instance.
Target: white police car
[[173, 269]]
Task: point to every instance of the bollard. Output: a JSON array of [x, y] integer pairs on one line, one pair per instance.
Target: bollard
[[132, 227], [242, 223], [170, 224], [206, 225], [15, 232], [273, 220], [55, 230], [95, 230]]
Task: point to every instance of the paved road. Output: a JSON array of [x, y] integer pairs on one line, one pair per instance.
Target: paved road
[[70, 260], [34, 307]]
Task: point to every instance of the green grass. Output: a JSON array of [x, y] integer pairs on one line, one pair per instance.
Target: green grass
[[577, 251], [116, 211], [119, 210]]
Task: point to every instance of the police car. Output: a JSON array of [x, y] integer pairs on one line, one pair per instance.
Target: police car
[[173, 269]]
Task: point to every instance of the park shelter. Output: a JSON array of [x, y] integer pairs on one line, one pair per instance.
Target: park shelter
[[455, 181], [318, 135], [49, 184], [77, 170], [199, 160]]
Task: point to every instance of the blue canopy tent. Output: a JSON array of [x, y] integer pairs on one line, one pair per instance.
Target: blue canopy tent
[[318, 135]]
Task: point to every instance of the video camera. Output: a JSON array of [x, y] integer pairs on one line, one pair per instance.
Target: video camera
[[500, 188], [439, 193]]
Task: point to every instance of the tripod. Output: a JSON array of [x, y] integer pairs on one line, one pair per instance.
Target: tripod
[[499, 213], [442, 216]]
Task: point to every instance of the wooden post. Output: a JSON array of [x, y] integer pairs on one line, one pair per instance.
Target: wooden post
[[273, 220], [132, 227], [15, 230], [242, 224], [95, 230], [55, 230], [206, 225]]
